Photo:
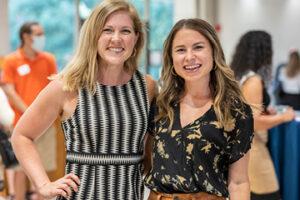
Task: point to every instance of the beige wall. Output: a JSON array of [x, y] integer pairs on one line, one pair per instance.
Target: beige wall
[[4, 31]]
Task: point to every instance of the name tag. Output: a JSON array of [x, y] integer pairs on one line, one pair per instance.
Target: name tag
[[23, 70]]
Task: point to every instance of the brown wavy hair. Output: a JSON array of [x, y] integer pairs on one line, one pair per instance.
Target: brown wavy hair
[[224, 88]]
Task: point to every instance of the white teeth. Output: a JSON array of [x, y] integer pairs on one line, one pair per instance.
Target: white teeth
[[117, 50], [191, 67]]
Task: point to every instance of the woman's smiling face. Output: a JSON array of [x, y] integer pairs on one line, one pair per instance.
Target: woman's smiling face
[[117, 40], [192, 55]]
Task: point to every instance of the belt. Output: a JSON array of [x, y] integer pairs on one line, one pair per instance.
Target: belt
[[184, 196], [103, 159]]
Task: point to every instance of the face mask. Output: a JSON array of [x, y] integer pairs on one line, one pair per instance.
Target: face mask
[[38, 43]]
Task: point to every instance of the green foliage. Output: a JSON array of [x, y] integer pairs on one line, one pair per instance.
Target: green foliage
[[161, 15], [57, 18]]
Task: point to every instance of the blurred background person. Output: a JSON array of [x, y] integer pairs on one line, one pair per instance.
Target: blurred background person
[[252, 66], [6, 112], [6, 122], [25, 74], [288, 90]]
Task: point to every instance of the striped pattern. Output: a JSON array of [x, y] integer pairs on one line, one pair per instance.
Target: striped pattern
[[103, 159], [104, 141]]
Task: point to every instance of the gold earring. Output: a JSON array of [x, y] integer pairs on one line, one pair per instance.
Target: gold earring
[[134, 53]]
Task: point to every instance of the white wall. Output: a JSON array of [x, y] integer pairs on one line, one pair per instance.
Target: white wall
[[204, 9], [184, 9], [281, 18]]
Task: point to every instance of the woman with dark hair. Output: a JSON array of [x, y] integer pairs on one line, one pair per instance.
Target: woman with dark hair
[[252, 66], [201, 125], [289, 81]]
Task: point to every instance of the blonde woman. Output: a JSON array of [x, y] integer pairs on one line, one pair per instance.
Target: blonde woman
[[202, 127], [103, 102]]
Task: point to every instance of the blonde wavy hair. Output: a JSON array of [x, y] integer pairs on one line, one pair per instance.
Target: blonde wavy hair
[[82, 70], [224, 87]]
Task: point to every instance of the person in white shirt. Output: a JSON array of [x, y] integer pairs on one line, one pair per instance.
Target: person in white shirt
[[6, 113], [6, 120], [289, 80]]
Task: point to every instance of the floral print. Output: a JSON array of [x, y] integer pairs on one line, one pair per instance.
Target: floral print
[[196, 157]]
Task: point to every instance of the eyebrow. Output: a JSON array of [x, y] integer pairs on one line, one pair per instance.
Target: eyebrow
[[197, 43], [110, 26]]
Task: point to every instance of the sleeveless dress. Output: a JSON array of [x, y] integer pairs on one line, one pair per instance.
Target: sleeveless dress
[[104, 141], [262, 176]]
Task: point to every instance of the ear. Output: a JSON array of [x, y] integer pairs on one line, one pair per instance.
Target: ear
[[26, 37], [137, 35]]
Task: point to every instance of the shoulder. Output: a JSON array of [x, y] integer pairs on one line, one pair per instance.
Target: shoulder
[[151, 86], [55, 89], [254, 81], [11, 58], [241, 109], [48, 56]]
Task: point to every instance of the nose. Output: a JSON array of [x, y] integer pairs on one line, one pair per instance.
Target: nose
[[190, 55], [116, 36]]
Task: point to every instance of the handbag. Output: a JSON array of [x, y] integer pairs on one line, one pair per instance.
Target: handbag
[[6, 151]]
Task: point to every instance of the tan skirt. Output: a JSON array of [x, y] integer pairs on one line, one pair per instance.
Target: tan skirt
[[261, 168]]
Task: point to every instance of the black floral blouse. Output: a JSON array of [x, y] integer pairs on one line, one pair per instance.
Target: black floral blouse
[[196, 158]]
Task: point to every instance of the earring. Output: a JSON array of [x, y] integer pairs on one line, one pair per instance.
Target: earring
[[134, 53]]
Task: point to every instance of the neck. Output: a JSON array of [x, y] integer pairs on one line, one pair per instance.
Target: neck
[[197, 94], [29, 52], [113, 76]]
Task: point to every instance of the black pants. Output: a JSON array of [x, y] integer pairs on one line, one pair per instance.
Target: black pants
[[290, 100], [268, 196]]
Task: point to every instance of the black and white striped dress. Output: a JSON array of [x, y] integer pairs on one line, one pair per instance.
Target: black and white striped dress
[[104, 141]]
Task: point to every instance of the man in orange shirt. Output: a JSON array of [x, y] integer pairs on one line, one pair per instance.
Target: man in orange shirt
[[25, 74]]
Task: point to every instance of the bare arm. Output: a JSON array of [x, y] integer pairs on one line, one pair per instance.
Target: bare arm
[[152, 92], [238, 181], [151, 87], [37, 118], [253, 92]]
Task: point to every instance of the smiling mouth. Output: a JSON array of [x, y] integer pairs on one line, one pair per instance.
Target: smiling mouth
[[116, 49], [191, 68]]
